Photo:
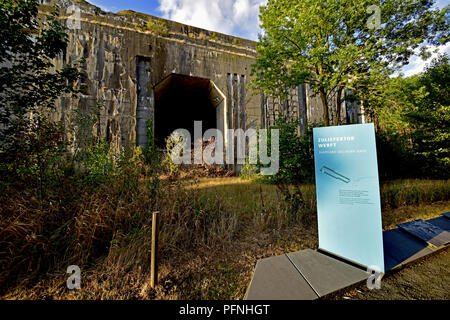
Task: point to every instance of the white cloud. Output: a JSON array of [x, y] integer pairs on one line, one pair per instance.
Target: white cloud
[[417, 65], [246, 16], [236, 17]]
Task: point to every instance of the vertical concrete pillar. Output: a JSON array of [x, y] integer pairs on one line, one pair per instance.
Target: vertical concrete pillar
[[144, 108], [229, 113], [361, 112], [235, 102], [349, 108], [302, 108], [242, 102], [235, 115], [229, 102], [263, 111]]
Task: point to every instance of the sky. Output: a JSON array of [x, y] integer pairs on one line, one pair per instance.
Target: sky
[[234, 17]]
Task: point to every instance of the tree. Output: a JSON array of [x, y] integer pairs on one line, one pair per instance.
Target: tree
[[334, 45], [28, 82], [429, 116], [412, 117], [29, 87]]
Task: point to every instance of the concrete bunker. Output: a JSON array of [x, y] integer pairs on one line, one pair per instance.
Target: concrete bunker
[[180, 100]]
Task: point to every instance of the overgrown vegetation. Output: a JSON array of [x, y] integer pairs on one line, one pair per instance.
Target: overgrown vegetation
[[68, 198], [207, 227], [31, 146], [335, 45], [412, 118], [296, 163], [157, 26], [413, 123]]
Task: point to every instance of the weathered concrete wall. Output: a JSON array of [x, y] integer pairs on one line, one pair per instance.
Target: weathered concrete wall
[[128, 54]]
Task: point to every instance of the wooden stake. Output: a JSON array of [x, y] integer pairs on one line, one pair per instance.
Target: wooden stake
[[154, 256]]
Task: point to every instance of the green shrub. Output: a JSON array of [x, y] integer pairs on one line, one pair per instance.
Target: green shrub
[[98, 162], [37, 157], [130, 168], [150, 152], [296, 163], [81, 124], [169, 166], [249, 171], [296, 154]]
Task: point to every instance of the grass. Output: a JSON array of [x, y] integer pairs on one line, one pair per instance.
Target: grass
[[213, 230], [246, 196], [398, 193]]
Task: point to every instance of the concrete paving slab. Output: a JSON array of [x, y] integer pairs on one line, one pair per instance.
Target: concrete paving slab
[[401, 248], [276, 278], [427, 232], [441, 222], [326, 274]]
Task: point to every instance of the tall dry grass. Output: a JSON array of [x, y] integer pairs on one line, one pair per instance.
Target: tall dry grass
[[399, 193], [40, 236], [79, 225]]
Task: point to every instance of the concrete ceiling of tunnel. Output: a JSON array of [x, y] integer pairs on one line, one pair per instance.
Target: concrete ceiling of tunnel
[[182, 83]]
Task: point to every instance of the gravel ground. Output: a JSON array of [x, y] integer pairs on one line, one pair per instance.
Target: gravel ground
[[427, 279]]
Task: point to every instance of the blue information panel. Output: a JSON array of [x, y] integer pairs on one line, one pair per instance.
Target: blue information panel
[[348, 194]]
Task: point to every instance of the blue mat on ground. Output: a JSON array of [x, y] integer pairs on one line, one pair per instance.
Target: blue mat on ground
[[400, 248], [441, 222], [426, 231]]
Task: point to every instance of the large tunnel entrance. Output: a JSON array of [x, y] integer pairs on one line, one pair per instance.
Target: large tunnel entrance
[[180, 100]]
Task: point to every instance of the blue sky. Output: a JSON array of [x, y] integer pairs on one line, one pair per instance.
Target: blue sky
[[235, 17], [146, 6]]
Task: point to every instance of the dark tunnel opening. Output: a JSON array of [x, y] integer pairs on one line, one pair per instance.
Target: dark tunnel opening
[[179, 101]]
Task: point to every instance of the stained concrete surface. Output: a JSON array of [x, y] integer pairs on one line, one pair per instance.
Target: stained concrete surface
[[324, 273]]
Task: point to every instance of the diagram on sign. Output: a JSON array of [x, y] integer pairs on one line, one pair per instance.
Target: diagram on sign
[[334, 174]]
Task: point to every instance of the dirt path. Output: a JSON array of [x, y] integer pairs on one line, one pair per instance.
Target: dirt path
[[428, 279]]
